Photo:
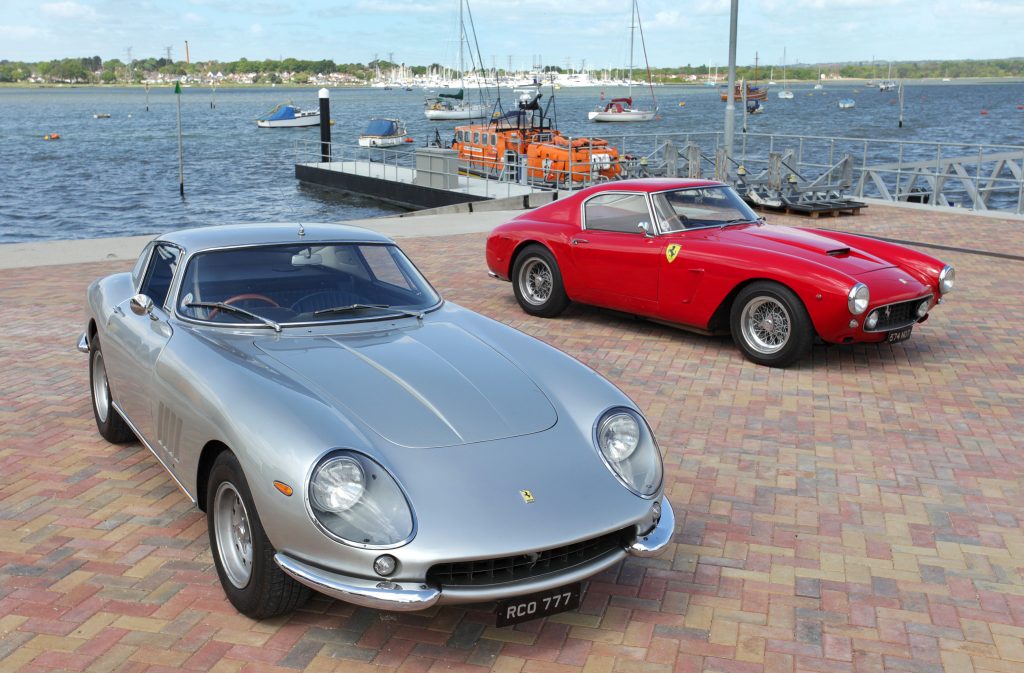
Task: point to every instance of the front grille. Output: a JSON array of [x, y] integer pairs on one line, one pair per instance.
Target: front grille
[[525, 566], [896, 316]]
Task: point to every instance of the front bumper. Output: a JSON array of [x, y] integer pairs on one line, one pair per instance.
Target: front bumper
[[407, 596]]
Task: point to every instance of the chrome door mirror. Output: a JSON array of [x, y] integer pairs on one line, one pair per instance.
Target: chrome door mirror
[[645, 227], [141, 304]]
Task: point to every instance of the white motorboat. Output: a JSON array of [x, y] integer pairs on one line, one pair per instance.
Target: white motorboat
[[287, 115], [445, 106], [847, 103], [383, 132]]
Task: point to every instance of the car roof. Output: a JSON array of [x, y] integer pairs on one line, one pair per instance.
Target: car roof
[[269, 233], [648, 185]]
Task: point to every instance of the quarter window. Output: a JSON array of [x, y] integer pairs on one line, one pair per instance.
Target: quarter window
[[623, 213]]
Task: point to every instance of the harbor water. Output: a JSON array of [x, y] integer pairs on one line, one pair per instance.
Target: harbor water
[[118, 176]]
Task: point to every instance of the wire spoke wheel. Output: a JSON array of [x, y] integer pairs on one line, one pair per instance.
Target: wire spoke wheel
[[766, 325], [536, 281], [233, 534]]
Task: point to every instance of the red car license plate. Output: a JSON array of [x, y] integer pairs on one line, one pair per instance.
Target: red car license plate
[[541, 604], [899, 335]]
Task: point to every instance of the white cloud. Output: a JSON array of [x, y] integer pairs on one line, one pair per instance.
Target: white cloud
[[256, 29], [68, 10]]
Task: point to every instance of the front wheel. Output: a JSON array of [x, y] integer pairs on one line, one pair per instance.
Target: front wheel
[[109, 422], [770, 324], [244, 557], [537, 283]]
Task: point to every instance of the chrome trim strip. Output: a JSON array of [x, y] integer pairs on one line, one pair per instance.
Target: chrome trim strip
[[655, 542], [138, 435], [378, 594], [83, 343]]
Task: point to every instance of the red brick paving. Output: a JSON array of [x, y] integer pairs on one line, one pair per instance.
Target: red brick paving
[[860, 511]]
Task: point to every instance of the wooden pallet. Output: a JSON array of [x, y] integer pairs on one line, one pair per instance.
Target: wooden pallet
[[815, 209]]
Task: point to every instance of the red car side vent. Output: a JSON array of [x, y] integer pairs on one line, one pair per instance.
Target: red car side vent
[[837, 252]]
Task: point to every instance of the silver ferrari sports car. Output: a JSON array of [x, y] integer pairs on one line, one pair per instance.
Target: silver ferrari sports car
[[347, 430]]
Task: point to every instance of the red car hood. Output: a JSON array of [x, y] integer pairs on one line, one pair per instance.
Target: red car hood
[[807, 245]]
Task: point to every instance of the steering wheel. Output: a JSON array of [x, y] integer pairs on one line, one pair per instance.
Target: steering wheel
[[240, 297], [675, 222]]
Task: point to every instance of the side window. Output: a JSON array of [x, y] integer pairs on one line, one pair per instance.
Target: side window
[[162, 264], [140, 265], [622, 213], [384, 267], [476, 137]]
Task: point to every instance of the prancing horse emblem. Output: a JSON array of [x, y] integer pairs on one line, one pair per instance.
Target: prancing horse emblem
[[527, 496], [671, 252]]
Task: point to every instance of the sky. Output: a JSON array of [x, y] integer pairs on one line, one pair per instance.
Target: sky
[[523, 32]]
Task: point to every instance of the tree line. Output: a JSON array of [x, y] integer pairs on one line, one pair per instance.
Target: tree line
[[94, 70]]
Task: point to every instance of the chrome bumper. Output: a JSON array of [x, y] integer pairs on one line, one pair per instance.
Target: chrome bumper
[[655, 542], [83, 343], [408, 596], [381, 595]]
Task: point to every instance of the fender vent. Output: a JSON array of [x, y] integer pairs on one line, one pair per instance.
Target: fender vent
[[168, 431], [838, 252]]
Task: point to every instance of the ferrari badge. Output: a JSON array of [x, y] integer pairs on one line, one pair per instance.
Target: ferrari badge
[[527, 496], [671, 252]]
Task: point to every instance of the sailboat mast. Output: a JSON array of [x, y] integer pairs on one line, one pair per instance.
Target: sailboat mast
[[462, 42], [632, 27]]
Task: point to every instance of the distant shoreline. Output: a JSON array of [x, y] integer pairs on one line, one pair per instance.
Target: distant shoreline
[[696, 85]]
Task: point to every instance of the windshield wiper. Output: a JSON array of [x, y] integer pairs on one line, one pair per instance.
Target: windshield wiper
[[738, 220], [355, 307], [234, 309]]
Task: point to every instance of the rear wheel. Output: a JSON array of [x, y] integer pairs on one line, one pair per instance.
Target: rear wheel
[[537, 283], [244, 557], [770, 324], [109, 422]]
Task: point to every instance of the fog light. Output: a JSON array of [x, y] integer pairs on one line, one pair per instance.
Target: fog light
[[922, 309], [853, 324], [872, 320], [385, 565]]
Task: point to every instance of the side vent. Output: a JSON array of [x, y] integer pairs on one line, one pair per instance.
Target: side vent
[[838, 252], [168, 431]]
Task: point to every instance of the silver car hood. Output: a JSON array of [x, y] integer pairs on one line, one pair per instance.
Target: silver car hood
[[430, 386]]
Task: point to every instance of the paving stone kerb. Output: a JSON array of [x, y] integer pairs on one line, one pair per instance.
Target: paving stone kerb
[[860, 511]]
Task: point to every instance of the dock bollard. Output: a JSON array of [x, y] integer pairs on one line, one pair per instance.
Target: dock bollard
[[325, 126]]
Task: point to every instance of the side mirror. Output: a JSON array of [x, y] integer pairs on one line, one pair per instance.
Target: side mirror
[[644, 227], [141, 304]]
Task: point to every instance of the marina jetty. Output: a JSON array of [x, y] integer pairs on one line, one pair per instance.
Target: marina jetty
[[860, 511], [793, 173]]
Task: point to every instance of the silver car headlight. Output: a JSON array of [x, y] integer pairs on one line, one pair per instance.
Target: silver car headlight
[[629, 450], [858, 298], [355, 500], [947, 279]]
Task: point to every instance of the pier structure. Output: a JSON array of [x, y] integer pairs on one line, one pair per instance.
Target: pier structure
[[787, 171]]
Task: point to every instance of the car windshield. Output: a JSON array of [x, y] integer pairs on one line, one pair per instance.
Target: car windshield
[[696, 207], [269, 286]]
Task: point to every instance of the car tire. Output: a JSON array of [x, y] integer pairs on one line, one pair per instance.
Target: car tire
[[109, 421], [537, 283], [770, 324], [242, 553]]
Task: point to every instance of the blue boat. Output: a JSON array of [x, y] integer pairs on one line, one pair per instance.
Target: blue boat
[[287, 115]]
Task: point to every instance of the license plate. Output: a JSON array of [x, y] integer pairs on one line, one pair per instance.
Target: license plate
[[541, 604], [899, 335]]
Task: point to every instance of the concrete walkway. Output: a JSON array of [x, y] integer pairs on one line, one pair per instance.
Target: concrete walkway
[[859, 512]]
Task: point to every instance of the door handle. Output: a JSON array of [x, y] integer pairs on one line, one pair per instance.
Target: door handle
[[118, 310], [580, 241]]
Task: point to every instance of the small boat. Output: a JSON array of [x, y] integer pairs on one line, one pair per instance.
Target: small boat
[[101, 115], [446, 106], [785, 94], [754, 107], [383, 132], [620, 110], [51, 136], [287, 115], [846, 103]]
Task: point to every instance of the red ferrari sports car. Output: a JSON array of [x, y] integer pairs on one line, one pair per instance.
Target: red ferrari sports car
[[690, 253]]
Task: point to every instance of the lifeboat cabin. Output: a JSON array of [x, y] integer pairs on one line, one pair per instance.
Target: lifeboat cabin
[[522, 145]]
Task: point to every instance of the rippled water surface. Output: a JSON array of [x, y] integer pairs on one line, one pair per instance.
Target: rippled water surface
[[119, 176]]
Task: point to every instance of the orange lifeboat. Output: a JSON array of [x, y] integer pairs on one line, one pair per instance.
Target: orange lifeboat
[[524, 139]]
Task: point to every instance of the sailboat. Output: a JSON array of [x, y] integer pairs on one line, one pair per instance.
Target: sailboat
[[752, 92], [454, 105], [711, 80], [818, 85], [785, 93], [622, 109], [889, 83]]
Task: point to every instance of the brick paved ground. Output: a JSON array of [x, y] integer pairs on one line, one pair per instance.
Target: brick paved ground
[[859, 512]]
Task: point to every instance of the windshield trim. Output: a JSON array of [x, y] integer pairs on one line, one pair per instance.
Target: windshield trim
[[184, 263]]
